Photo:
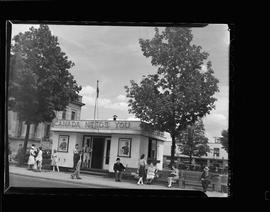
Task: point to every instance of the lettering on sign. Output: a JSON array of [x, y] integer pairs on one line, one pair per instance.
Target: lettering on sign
[[94, 124]]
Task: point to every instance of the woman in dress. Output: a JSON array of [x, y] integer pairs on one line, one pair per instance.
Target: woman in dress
[[39, 159], [141, 169], [173, 176], [151, 173], [31, 159], [54, 158]]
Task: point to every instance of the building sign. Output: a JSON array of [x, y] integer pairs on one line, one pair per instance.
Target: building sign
[[101, 125], [95, 124]]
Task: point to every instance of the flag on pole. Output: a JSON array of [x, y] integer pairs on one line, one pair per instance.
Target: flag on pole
[[97, 89]]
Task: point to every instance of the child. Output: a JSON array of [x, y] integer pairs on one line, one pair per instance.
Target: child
[[54, 158]]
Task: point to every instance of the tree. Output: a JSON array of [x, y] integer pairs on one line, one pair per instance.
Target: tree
[[193, 141], [40, 82], [180, 92], [224, 139]]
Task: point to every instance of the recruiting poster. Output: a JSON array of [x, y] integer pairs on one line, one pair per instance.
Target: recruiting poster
[[124, 147], [63, 143]]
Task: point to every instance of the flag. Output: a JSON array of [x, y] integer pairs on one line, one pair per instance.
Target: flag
[[97, 89]]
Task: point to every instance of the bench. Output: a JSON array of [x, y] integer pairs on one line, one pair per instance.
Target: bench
[[192, 178]]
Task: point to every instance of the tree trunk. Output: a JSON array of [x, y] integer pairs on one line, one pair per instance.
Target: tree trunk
[[25, 144], [172, 149], [190, 159]]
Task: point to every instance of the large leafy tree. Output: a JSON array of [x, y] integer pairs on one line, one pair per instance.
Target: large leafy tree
[[181, 91], [193, 141], [40, 82], [224, 139]]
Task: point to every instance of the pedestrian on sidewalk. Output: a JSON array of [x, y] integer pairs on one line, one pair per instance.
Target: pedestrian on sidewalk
[[54, 158], [173, 176], [118, 168], [205, 178], [141, 169], [31, 160], [76, 173], [39, 159], [76, 156]]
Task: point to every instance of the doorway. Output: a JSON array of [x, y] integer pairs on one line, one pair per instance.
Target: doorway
[[97, 152], [87, 146]]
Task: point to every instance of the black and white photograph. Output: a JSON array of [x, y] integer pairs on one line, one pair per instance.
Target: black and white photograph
[[148, 105]]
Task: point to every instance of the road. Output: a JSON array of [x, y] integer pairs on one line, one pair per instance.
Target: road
[[27, 181]]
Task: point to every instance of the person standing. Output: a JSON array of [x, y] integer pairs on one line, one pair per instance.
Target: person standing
[[76, 173], [76, 156], [205, 178], [141, 169], [118, 168], [39, 159], [54, 158], [31, 160]]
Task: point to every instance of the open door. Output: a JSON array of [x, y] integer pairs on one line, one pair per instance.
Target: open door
[[87, 152], [97, 153]]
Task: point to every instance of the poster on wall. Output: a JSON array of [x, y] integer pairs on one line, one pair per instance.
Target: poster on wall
[[63, 143], [124, 147]]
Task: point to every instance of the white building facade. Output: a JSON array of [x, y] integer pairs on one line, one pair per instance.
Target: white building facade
[[107, 140]]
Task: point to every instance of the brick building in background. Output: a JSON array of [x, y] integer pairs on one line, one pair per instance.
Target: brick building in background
[[40, 134]]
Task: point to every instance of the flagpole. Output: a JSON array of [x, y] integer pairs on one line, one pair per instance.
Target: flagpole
[[96, 101]]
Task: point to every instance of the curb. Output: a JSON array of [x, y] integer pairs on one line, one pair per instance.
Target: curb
[[60, 180]]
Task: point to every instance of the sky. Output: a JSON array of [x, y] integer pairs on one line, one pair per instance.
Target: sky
[[112, 55]]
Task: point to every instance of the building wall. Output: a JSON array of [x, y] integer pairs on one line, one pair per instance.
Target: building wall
[[66, 158], [131, 162]]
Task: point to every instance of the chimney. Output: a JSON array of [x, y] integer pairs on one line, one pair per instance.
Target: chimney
[[114, 117]]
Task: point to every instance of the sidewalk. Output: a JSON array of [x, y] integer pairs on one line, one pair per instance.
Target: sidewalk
[[89, 180]]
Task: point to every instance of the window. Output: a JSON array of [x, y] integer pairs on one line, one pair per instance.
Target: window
[[20, 129], [216, 152], [64, 114], [47, 130], [152, 149], [35, 130], [73, 115], [107, 157]]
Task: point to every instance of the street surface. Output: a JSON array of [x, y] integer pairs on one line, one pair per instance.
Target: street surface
[[27, 181]]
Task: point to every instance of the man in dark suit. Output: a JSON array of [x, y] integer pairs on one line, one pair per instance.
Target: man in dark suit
[[205, 178], [118, 168]]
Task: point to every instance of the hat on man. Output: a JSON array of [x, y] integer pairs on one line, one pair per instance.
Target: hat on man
[[117, 159], [206, 168]]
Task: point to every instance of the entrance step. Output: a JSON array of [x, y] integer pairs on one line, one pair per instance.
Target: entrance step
[[99, 172]]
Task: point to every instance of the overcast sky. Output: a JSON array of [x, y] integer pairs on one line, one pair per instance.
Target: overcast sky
[[112, 55]]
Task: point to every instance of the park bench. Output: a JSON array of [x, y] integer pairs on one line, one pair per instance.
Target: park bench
[[192, 178]]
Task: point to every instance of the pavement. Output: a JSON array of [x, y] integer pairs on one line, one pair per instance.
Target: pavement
[[94, 181]]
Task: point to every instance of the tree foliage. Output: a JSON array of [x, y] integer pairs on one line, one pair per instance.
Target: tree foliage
[[40, 82], [224, 139], [193, 141], [181, 91]]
